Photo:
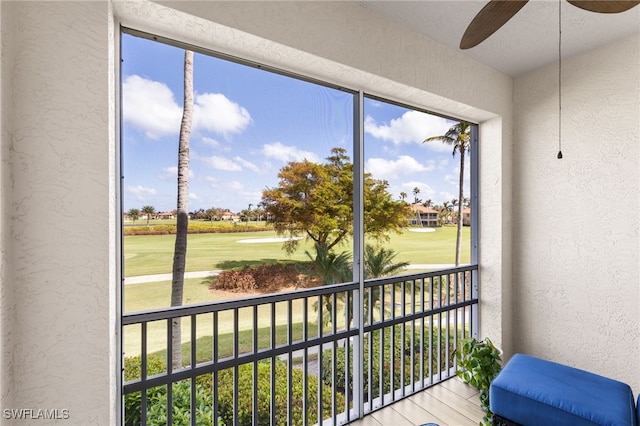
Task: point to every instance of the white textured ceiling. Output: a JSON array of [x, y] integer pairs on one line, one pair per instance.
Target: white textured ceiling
[[528, 41]]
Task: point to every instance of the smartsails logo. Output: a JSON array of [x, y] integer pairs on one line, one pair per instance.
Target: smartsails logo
[[35, 414]]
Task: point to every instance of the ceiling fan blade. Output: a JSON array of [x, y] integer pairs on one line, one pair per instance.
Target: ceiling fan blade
[[490, 18], [605, 6]]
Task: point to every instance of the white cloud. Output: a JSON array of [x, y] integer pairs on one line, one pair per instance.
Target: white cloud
[[211, 142], [141, 193], [447, 196], [425, 190], [221, 163], [227, 185], [150, 106], [235, 164], [193, 197], [172, 172], [454, 176], [234, 185], [411, 127], [216, 113], [288, 153], [381, 168], [452, 179], [246, 164]]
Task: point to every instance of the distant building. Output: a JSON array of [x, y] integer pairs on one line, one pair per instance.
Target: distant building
[[165, 215], [424, 216], [466, 216]]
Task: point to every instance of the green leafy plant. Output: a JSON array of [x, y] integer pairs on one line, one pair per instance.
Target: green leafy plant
[[480, 364], [381, 359], [300, 407]]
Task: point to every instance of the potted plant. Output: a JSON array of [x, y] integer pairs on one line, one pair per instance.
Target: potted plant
[[479, 363]]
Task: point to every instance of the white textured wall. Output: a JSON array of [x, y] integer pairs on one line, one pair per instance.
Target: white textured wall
[[6, 276], [576, 220], [59, 241], [347, 34], [59, 343]]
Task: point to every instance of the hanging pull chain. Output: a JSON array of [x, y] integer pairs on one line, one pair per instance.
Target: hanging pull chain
[[559, 79]]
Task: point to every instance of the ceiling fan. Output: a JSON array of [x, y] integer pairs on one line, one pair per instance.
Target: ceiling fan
[[497, 12]]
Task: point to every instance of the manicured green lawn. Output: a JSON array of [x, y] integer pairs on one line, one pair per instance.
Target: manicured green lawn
[[146, 255], [148, 296], [153, 254]]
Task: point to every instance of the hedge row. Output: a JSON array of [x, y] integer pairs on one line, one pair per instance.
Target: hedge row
[[402, 350], [194, 228], [181, 396]]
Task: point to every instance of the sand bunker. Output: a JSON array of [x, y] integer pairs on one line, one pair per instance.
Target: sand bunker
[[422, 230]]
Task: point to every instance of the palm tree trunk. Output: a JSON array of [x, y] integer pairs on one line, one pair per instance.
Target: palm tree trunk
[[180, 250], [461, 191]]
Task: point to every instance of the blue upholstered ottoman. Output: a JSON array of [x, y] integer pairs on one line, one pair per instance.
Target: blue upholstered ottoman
[[532, 391]]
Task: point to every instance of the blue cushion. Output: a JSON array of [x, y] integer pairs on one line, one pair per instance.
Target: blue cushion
[[532, 391]]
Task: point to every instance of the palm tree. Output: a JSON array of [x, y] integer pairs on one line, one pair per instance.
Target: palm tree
[[403, 195], [249, 214], [416, 201], [416, 191], [180, 249], [445, 212], [378, 262], [148, 210], [333, 269], [459, 136], [134, 214]]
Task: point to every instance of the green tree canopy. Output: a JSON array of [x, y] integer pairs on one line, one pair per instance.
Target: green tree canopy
[[316, 200], [134, 214], [149, 211]]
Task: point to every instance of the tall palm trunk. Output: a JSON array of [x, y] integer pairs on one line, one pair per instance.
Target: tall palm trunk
[[460, 195], [458, 136], [180, 249]]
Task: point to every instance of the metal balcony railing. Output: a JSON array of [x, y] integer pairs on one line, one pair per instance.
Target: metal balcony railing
[[299, 358]]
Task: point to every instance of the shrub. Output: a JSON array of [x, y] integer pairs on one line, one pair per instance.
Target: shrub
[[195, 227], [245, 401], [133, 367], [264, 278], [234, 280], [181, 406], [133, 371], [181, 396], [401, 350], [157, 397]]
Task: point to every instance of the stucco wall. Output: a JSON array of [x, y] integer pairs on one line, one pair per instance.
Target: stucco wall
[[6, 291], [576, 220], [59, 279], [59, 340]]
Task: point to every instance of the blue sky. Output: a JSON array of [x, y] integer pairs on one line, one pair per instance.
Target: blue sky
[[249, 123]]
